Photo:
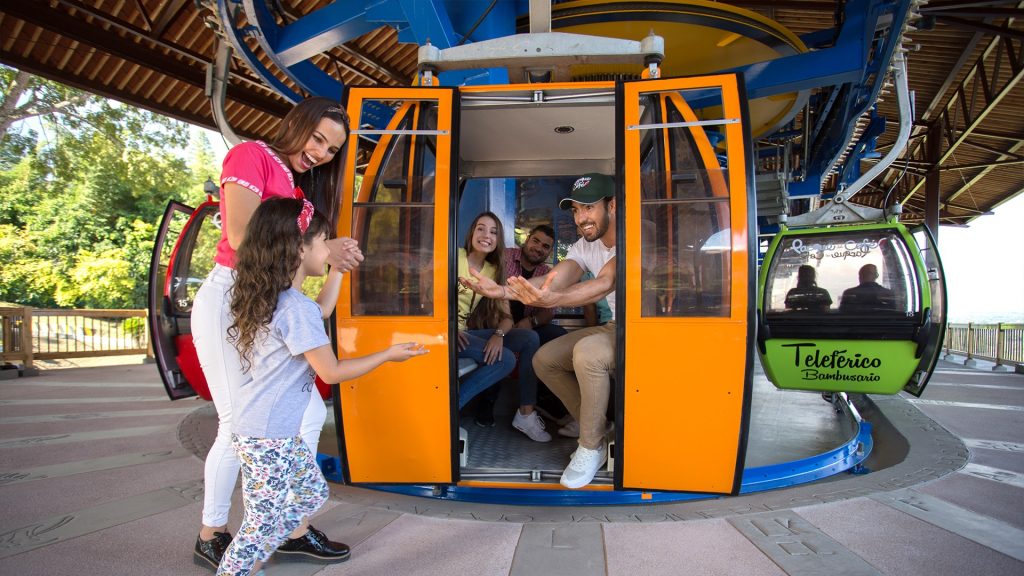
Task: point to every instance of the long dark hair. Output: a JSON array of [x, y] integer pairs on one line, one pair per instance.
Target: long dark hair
[[265, 263], [321, 185], [488, 313]]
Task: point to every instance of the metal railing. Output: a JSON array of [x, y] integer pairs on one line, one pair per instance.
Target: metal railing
[[56, 334], [999, 343], [30, 334]]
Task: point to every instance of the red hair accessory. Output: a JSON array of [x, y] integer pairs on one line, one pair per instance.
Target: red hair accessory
[[305, 216]]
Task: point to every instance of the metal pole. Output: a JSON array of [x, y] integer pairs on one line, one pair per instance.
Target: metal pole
[[933, 179], [999, 346], [970, 361], [899, 78]]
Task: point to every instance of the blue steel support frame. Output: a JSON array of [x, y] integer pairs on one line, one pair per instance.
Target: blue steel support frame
[[854, 60], [864, 19], [327, 27], [226, 9], [855, 64], [289, 47], [865, 148], [304, 73], [849, 456]]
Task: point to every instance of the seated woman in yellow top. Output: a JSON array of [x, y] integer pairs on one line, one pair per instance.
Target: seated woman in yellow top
[[485, 328]]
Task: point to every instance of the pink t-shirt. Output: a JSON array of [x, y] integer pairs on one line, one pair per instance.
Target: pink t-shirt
[[255, 166]]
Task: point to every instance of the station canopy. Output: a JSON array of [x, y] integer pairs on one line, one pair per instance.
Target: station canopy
[[965, 61]]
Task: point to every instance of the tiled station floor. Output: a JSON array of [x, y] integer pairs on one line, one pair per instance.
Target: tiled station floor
[[99, 475]]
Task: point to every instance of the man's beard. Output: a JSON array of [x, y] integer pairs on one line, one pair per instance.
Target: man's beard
[[600, 228], [532, 259]]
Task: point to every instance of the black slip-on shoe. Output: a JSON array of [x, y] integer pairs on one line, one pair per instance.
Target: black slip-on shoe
[[209, 552], [316, 545]]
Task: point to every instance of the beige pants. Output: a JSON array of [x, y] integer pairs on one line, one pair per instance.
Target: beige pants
[[577, 367]]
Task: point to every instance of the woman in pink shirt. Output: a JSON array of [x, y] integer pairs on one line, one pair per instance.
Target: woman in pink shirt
[[302, 161]]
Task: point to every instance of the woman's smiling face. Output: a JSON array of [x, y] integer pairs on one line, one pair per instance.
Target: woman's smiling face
[[485, 235], [326, 140]]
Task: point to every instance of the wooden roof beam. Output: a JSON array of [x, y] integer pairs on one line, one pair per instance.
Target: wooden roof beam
[[140, 53], [169, 14], [954, 72], [996, 87], [18, 7], [981, 174]]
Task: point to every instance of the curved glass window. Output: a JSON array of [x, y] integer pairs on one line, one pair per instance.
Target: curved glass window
[[201, 246], [686, 243], [393, 220], [866, 273]]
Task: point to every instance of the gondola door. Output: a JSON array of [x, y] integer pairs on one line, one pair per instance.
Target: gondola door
[[182, 257], [396, 424], [933, 328], [686, 266]]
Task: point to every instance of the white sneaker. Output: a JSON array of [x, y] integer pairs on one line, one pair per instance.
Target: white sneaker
[[570, 430], [585, 464], [532, 425]]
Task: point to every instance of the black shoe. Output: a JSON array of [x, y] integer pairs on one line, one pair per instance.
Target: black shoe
[[209, 552], [484, 413], [316, 545]]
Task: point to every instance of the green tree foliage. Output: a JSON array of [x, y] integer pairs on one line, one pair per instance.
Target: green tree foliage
[[83, 184]]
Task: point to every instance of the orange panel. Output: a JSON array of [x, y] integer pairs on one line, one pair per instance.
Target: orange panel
[[396, 422], [683, 418], [684, 378], [397, 419]]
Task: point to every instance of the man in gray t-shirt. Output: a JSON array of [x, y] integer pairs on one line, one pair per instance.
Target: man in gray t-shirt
[[272, 403], [592, 350]]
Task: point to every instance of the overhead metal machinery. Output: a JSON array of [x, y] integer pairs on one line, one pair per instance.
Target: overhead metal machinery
[[812, 98]]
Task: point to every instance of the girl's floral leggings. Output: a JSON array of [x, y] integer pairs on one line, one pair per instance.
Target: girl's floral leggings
[[281, 484]]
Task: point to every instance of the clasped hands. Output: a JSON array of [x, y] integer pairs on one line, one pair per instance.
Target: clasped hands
[[345, 254]]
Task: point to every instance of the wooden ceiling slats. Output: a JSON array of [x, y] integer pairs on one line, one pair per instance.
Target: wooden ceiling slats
[[48, 45], [14, 27], [164, 90], [111, 73], [119, 8], [128, 75], [72, 49], [171, 11], [374, 41], [144, 15], [143, 86], [188, 100], [249, 117], [33, 42], [97, 67]]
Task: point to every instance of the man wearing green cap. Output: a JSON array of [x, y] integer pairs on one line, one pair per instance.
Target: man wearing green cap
[[577, 366]]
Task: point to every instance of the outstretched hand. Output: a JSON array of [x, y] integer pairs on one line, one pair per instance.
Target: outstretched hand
[[482, 285], [406, 350], [345, 253], [521, 289]]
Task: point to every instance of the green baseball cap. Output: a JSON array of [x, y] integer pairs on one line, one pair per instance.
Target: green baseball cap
[[589, 189]]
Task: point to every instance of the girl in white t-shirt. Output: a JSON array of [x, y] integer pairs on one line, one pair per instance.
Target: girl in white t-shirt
[[280, 337]]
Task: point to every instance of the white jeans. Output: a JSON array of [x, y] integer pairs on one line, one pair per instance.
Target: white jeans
[[211, 316]]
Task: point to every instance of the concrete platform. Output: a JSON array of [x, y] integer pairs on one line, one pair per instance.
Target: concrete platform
[[99, 474]]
